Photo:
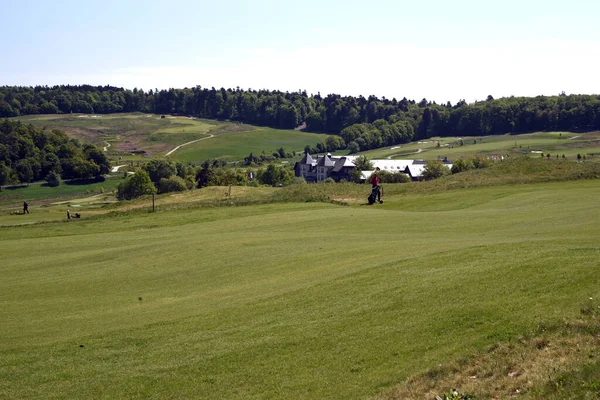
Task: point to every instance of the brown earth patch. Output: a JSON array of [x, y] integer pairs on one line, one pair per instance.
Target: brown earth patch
[[507, 370]]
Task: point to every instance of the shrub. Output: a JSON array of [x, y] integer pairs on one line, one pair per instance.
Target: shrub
[[461, 165], [135, 185], [172, 184], [53, 179], [393, 177], [275, 176], [434, 170], [160, 168], [329, 180]]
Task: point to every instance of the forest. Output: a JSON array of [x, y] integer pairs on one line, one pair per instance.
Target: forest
[[362, 123], [29, 154]]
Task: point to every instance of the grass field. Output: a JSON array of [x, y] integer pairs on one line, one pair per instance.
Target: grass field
[[157, 136], [554, 143], [290, 300]]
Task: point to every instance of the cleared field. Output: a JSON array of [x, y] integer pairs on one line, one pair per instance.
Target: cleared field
[[288, 300], [127, 133]]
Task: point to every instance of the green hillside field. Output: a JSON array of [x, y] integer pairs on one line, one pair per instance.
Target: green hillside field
[[567, 143], [291, 299], [157, 136]]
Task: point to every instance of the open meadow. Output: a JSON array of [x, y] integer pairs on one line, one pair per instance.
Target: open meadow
[[126, 135], [281, 297]]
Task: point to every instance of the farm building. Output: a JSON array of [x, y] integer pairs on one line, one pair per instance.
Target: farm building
[[319, 168]]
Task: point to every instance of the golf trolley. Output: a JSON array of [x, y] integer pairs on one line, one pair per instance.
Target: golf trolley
[[373, 196]]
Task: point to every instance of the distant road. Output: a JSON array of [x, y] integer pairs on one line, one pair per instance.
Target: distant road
[[185, 144]]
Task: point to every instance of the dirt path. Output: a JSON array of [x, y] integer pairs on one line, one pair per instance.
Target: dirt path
[[116, 168], [393, 155], [107, 146], [185, 144]]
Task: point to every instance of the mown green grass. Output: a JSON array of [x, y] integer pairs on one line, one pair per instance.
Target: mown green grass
[[236, 145], [50, 204], [288, 300], [554, 143], [35, 192]]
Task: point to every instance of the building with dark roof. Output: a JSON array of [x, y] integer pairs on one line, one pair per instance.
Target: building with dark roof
[[341, 168]]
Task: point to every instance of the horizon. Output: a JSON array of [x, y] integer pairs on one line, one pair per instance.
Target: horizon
[[442, 52]]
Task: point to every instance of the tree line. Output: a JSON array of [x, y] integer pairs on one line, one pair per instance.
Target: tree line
[[360, 122], [30, 154], [163, 175]]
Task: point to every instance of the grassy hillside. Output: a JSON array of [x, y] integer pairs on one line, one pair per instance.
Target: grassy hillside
[[289, 300], [124, 133], [569, 144]]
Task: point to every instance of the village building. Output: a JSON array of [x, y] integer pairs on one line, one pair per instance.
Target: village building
[[319, 168]]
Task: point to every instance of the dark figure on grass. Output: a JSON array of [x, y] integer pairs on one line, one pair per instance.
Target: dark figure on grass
[[376, 189], [25, 208]]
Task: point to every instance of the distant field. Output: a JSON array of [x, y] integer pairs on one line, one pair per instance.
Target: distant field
[[239, 144], [123, 134], [289, 300], [554, 143], [50, 204]]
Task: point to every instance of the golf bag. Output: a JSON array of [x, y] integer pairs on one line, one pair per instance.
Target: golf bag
[[373, 196]]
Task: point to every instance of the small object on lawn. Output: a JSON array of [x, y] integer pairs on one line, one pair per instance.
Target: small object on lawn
[[139, 298], [81, 345]]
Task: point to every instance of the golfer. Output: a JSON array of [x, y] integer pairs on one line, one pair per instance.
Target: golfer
[[375, 182]]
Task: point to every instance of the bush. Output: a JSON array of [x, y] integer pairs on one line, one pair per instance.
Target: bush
[[275, 176], [53, 179], [434, 170], [465, 164], [135, 185], [461, 165], [329, 180], [393, 177], [172, 184], [481, 162], [160, 168]]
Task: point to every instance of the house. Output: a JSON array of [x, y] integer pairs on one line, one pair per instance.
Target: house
[[324, 167], [341, 168], [306, 168]]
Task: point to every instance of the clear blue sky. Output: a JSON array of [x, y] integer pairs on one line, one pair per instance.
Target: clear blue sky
[[441, 50]]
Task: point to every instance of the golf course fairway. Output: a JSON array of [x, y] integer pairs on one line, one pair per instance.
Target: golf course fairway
[[288, 300]]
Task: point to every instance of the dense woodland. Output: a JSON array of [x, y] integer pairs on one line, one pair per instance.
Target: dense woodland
[[30, 154], [361, 123]]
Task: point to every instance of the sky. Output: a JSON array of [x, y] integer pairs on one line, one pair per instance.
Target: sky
[[438, 50]]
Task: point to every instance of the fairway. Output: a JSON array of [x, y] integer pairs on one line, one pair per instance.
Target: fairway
[[126, 135], [567, 143], [288, 300], [235, 143]]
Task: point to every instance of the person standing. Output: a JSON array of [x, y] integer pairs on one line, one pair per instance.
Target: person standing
[[68, 214], [375, 182], [25, 207]]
